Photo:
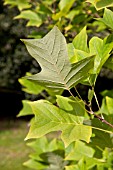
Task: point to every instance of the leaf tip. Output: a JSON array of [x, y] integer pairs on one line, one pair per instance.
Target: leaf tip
[[22, 40]]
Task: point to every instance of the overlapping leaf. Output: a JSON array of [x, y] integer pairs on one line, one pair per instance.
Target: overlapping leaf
[[57, 72], [77, 153], [100, 48], [30, 87], [107, 106], [50, 118], [78, 49], [107, 18], [26, 110]]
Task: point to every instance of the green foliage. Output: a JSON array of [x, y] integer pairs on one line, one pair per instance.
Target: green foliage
[[30, 87], [34, 18], [87, 135], [50, 118], [51, 154], [69, 115], [22, 4], [70, 16], [107, 18], [26, 110], [99, 4]]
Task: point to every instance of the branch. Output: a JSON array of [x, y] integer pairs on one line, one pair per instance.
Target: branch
[[91, 112], [101, 119]]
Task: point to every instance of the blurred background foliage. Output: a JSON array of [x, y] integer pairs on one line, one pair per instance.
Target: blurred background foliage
[[14, 60]]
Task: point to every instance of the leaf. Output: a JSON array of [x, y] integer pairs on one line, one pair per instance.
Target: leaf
[[79, 151], [55, 160], [26, 110], [107, 18], [108, 93], [102, 139], [103, 109], [85, 164], [73, 12], [78, 49], [30, 87], [64, 6], [42, 145], [100, 48], [99, 4], [21, 4], [50, 118], [74, 107], [107, 106], [33, 17], [109, 103], [90, 94], [72, 167], [109, 63], [34, 164], [57, 72], [65, 3], [80, 41]]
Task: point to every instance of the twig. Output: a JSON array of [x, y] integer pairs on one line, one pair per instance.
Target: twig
[[101, 119], [92, 113], [96, 100]]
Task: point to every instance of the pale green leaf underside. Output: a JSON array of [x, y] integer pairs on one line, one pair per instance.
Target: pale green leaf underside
[[51, 53], [50, 118]]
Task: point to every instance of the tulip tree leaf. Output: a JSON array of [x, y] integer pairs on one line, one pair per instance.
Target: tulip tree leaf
[[57, 72], [80, 41], [50, 118], [107, 106], [75, 107], [78, 49], [101, 49], [26, 110]]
